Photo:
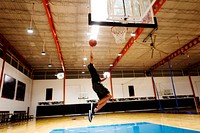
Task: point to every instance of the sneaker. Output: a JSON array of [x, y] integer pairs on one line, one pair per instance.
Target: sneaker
[[91, 108], [92, 116], [89, 116]]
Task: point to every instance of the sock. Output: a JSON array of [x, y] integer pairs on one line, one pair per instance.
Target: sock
[[95, 110], [94, 106]]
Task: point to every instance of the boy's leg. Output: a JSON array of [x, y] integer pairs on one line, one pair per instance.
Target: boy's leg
[[108, 96], [102, 102]]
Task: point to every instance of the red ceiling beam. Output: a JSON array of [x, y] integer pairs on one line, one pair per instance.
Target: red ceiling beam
[[156, 7], [179, 51], [14, 52], [53, 30]]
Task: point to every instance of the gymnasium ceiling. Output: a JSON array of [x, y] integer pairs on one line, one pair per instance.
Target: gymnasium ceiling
[[178, 24]]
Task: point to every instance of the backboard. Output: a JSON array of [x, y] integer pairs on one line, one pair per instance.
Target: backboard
[[127, 13]]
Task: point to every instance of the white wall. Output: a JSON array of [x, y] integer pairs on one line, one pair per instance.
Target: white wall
[[12, 104], [39, 92], [142, 87], [181, 84]]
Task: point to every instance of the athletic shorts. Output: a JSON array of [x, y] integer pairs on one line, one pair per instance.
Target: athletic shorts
[[100, 90]]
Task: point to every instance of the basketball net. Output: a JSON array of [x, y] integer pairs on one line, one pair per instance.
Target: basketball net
[[119, 33]]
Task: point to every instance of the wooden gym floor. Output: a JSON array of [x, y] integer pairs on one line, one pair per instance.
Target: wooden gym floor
[[45, 125]]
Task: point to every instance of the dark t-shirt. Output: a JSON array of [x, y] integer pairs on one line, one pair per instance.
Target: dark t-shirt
[[93, 73]]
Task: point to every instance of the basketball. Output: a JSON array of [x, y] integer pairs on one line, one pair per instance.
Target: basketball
[[93, 42]]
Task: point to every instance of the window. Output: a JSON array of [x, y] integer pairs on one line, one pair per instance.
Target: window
[[14, 63], [21, 69]]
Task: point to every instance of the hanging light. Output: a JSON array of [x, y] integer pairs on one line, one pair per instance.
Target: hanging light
[[133, 34], [60, 75], [49, 65], [43, 47], [43, 53], [119, 54], [30, 29], [50, 62]]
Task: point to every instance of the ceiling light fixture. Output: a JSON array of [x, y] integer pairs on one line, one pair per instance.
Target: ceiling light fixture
[[30, 29], [43, 53], [49, 65], [60, 75], [84, 58], [133, 34], [83, 72], [119, 54], [50, 62], [43, 47], [111, 64]]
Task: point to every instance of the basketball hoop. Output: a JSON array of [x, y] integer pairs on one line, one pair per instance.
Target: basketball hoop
[[119, 33]]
